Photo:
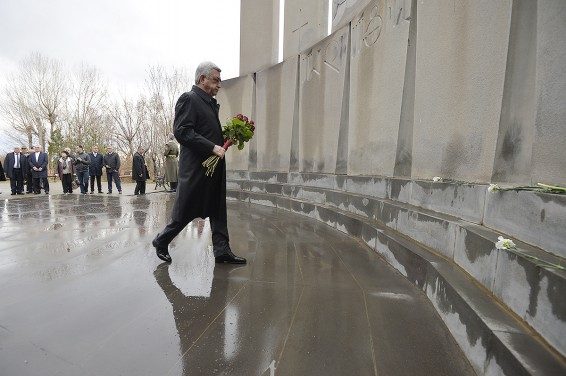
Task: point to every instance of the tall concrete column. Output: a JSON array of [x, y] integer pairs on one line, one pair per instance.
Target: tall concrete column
[[259, 35], [306, 23], [549, 153]]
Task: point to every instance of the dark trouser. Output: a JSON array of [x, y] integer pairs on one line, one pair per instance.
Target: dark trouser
[[17, 183], [173, 185], [67, 182], [98, 183], [140, 187], [116, 176], [220, 238], [83, 180], [29, 183], [37, 187]]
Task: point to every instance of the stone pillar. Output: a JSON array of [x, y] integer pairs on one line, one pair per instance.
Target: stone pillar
[[378, 55], [306, 23], [459, 79], [259, 35], [343, 11], [237, 96], [549, 152]]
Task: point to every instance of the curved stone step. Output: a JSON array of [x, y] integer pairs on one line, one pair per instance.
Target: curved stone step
[[505, 345]]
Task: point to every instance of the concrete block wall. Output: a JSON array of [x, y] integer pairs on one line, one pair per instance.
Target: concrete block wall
[[352, 128], [467, 90]]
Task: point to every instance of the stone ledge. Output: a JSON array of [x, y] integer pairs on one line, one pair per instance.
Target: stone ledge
[[414, 261], [535, 218]]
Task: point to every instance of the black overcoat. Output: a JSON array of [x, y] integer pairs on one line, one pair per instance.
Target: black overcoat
[[138, 168], [197, 129]]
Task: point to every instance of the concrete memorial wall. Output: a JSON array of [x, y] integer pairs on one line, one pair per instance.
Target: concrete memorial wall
[[277, 107], [306, 23], [258, 18], [461, 55], [405, 90], [549, 149], [468, 90], [377, 70], [322, 79], [237, 97], [344, 11]]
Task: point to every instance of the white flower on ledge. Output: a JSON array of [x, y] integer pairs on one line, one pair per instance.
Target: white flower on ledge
[[505, 243], [436, 179], [508, 245], [493, 188]]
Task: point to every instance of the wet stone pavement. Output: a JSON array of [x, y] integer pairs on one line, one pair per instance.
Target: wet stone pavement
[[82, 293]]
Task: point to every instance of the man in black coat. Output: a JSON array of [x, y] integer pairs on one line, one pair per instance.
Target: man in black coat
[[28, 179], [139, 171], [95, 169], [198, 130], [38, 161], [15, 166]]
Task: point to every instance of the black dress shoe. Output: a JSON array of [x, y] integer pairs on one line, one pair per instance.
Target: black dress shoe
[[229, 258], [162, 253]]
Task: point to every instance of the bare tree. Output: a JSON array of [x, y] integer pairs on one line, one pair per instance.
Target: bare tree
[[128, 119], [34, 95], [163, 88], [85, 106], [19, 114]]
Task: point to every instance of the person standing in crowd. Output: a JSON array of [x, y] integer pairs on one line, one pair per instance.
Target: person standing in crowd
[[2, 176], [139, 171], [28, 180], [66, 170], [171, 162], [70, 153], [82, 163], [95, 169], [198, 130], [15, 164], [112, 164], [38, 163]]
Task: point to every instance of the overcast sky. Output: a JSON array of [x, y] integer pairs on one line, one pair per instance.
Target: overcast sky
[[121, 38]]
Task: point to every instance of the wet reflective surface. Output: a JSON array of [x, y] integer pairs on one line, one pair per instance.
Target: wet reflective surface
[[84, 294]]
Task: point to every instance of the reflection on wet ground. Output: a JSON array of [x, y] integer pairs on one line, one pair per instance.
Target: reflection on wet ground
[[84, 294]]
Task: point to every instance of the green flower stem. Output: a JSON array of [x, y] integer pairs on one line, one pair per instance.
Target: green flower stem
[[542, 263]]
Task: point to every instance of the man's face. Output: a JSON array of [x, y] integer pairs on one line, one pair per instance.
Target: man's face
[[95, 149], [79, 149], [24, 150], [16, 149], [212, 84], [141, 150], [36, 148], [109, 149]]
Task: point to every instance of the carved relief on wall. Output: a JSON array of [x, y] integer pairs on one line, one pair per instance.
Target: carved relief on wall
[[331, 54]]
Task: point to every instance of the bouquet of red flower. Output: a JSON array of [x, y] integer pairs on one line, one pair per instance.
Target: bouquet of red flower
[[237, 130]]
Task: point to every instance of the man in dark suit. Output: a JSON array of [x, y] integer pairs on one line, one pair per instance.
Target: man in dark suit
[[27, 172], [95, 169], [198, 130], [139, 171], [38, 164], [15, 165]]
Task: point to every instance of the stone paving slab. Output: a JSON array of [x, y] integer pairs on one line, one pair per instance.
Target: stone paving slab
[[84, 294]]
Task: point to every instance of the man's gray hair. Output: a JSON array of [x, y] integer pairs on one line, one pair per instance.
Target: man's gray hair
[[205, 68]]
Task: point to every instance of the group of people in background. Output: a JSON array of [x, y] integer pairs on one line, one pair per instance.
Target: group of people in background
[[31, 169], [21, 165], [88, 166]]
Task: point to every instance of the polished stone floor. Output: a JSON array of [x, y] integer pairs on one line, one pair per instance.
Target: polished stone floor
[[82, 293]]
